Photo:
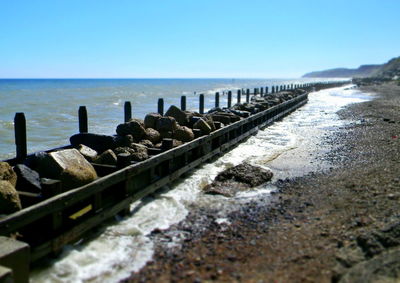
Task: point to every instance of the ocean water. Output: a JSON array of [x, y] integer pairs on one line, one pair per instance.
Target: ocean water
[[51, 105], [124, 246]]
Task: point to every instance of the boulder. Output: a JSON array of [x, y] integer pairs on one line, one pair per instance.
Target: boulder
[[87, 152], [100, 143], [224, 119], [108, 157], [166, 124], [179, 115], [140, 152], [183, 134], [9, 199], [134, 127], [202, 125], [120, 150], [238, 178], [7, 173], [28, 180], [152, 135], [67, 165], [150, 121], [176, 143], [166, 134], [147, 143]]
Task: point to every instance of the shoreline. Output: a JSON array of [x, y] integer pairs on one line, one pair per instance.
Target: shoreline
[[319, 227]]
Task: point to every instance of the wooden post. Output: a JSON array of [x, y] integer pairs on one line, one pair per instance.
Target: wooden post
[[273, 89], [239, 96], [127, 111], [248, 95], [161, 106], [266, 90], [216, 99], [229, 99], [201, 104], [291, 87], [255, 91], [83, 119], [183, 103], [20, 136], [262, 91]]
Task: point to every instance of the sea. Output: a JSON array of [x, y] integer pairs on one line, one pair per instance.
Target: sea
[[123, 245]]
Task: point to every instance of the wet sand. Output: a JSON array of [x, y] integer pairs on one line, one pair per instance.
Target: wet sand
[[339, 222]]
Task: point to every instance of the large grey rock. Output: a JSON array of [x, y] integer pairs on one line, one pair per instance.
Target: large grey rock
[[28, 180], [152, 135], [202, 125], [9, 199], [140, 152], [87, 152], [179, 115], [150, 121], [166, 124], [100, 143], [184, 134], [7, 173], [67, 165], [108, 157], [147, 143], [238, 178], [134, 127]]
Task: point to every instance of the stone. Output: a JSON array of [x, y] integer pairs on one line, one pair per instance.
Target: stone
[[28, 180], [100, 143], [9, 199], [176, 143], [238, 178], [166, 124], [166, 134], [152, 135], [140, 152], [87, 152], [68, 166], [147, 143], [210, 122], [202, 125], [224, 119], [7, 173], [184, 134], [179, 115], [108, 157], [150, 121], [134, 127]]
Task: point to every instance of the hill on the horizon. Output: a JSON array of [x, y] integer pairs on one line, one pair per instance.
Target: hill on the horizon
[[387, 70]]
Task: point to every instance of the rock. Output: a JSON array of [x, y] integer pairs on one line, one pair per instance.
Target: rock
[[108, 157], [7, 173], [166, 124], [176, 143], [9, 199], [67, 165], [134, 127], [100, 143], [147, 143], [179, 115], [150, 121], [140, 152], [183, 134], [28, 180], [247, 174], [202, 125], [224, 119], [152, 135], [381, 268], [238, 178], [210, 122], [166, 134], [87, 152]]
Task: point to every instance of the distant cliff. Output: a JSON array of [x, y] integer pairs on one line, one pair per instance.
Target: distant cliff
[[362, 71], [388, 70]]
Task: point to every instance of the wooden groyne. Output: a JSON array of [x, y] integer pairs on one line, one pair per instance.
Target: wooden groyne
[[63, 216]]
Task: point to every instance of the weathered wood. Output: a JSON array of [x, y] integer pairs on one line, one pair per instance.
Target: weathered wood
[[127, 111], [273, 89], [183, 103], [266, 90], [248, 95], [217, 99], [83, 119], [160, 106], [20, 136], [229, 99], [239, 96], [201, 104]]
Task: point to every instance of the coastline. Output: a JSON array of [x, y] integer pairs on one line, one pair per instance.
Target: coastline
[[326, 226]]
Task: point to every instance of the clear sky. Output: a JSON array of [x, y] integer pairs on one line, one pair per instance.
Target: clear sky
[[188, 38]]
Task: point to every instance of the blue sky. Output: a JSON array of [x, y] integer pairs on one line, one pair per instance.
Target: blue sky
[[205, 38]]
